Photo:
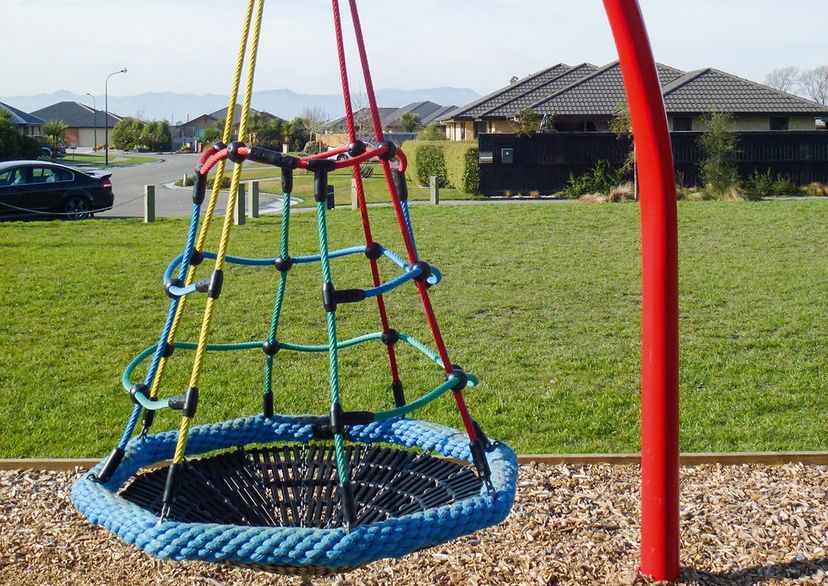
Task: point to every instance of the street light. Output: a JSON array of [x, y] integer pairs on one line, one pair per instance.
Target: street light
[[95, 113], [106, 108]]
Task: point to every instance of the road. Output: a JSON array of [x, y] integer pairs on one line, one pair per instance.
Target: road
[[128, 185]]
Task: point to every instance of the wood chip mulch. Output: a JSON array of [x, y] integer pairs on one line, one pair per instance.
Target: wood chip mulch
[[571, 525]]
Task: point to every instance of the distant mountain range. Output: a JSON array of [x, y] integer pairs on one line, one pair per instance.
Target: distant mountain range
[[283, 103]]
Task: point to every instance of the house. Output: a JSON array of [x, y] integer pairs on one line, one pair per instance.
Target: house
[[362, 119], [335, 132], [426, 112], [193, 130], [585, 98], [27, 124], [85, 126]]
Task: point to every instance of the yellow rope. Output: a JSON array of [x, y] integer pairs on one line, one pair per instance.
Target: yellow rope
[[224, 243], [211, 205]]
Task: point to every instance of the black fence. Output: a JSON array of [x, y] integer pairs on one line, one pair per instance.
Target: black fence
[[544, 162]]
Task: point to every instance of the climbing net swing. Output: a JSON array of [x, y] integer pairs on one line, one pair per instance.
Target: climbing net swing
[[297, 494]]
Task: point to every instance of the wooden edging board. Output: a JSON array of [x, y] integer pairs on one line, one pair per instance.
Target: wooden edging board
[[690, 459]]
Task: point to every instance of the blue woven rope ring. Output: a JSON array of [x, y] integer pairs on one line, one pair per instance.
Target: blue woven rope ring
[[293, 546]]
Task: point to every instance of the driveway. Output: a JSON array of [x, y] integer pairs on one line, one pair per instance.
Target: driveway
[[128, 185]]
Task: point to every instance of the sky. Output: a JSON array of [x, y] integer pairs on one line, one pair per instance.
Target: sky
[[189, 46]]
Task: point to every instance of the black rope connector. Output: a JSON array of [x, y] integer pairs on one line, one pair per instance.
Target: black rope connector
[[199, 187], [271, 348], [186, 403], [216, 283], [460, 374], [425, 271], [110, 466], [233, 152], [320, 186], [346, 499], [326, 165], [284, 264], [219, 146], [146, 422], [203, 285], [356, 148], [481, 462], [171, 284], [329, 297], [196, 258], [391, 337], [341, 420], [267, 405], [287, 180], [138, 388], [266, 156], [374, 251], [390, 150], [169, 349], [400, 183], [399, 394], [171, 489]]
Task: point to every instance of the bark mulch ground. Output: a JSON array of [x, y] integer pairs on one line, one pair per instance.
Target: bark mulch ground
[[570, 525]]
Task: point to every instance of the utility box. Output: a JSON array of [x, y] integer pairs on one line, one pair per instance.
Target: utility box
[[507, 156]]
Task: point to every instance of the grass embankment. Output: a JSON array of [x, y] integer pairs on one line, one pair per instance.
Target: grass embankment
[[115, 160], [542, 302], [376, 190]]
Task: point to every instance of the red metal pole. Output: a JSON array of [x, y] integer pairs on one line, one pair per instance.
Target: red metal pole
[[659, 328]]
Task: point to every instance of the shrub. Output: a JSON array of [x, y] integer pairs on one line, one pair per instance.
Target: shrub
[[127, 134], [225, 182], [432, 132], [315, 147], [603, 179], [718, 143], [817, 190], [765, 185], [455, 164]]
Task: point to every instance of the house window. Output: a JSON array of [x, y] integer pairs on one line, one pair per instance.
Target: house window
[[684, 124], [779, 123], [479, 128]]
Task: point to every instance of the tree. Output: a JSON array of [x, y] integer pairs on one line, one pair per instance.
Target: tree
[[156, 136], [785, 79], [314, 119], [53, 131], [718, 143], [814, 83], [13, 145], [126, 135], [526, 122], [213, 133], [621, 125], [410, 122]]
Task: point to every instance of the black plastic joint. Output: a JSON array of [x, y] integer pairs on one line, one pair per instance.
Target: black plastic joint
[[199, 187], [340, 420], [219, 146], [346, 498], [374, 251], [329, 297], [399, 394], [196, 258], [176, 402], [284, 264], [390, 152], [171, 486], [190, 402], [169, 349], [400, 184], [216, 283], [326, 165], [331, 199], [287, 180], [110, 466], [266, 156], [271, 348], [391, 337], [320, 186], [481, 462], [147, 421], [289, 162], [349, 296], [460, 374], [487, 443], [337, 419], [138, 388], [425, 271], [203, 285], [170, 284], [267, 405], [356, 148], [233, 152]]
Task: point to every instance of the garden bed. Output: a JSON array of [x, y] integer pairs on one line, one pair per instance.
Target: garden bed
[[571, 525]]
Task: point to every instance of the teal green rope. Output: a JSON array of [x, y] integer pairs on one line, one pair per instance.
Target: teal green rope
[[280, 293], [333, 355]]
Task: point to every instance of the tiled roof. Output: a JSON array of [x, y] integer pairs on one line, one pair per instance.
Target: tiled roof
[[597, 94], [437, 115], [361, 114], [222, 114], [423, 111], [708, 90], [513, 90], [541, 92], [21, 118], [76, 115]]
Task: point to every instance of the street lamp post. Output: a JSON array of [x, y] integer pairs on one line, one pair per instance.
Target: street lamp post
[[106, 109], [95, 114]]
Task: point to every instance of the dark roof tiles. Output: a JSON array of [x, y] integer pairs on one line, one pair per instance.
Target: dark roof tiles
[[541, 92], [21, 118]]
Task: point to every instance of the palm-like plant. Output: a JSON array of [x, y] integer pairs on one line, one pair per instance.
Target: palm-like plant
[[54, 131]]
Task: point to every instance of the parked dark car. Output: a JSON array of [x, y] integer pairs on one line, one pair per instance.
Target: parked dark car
[[38, 188]]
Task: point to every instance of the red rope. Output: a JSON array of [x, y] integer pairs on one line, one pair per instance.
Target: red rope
[[409, 245], [360, 187]]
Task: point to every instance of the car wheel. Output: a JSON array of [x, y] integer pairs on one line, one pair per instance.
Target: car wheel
[[77, 208]]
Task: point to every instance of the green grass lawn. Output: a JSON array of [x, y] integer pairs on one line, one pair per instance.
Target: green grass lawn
[[115, 160], [541, 301]]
